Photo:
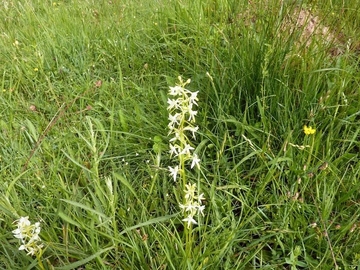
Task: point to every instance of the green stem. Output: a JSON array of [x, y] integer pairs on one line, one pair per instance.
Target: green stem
[[189, 241], [310, 152], [188, 231], [38, 257]]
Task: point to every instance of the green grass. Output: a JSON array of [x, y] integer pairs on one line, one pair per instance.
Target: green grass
[[84, 136]]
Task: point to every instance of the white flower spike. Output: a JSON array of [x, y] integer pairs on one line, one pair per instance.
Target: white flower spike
[[182, 113]]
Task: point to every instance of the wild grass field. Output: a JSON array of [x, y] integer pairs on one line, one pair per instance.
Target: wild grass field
[[263, 139]]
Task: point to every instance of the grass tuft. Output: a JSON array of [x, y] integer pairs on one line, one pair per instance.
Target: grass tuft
[[85, 144]]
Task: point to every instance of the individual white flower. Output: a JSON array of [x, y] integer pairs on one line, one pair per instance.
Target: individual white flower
[[201, 198], [201, 209], [190, 191], [192, 115], [175, 91], [192, 130], [174, 172], [190, 220], [173, 104], [176, 138], [23, 221], [173, 150], [195, 161], [174, 119], [190, 207], [193, 98], [31, 251], [186, 150]]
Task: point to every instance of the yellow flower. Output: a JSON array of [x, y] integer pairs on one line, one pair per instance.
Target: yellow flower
[[309, 130]]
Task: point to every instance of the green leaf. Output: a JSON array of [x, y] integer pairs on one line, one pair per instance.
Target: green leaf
[[149, 222], [83, 261], [80, 205], [68, 219], [126, 183]]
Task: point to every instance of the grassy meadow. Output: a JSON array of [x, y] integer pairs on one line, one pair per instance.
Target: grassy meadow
[[84, 133]]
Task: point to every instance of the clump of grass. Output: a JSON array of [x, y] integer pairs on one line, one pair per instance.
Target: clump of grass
[[84, 135]]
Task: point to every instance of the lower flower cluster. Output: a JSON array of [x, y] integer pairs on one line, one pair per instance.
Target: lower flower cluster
[[29, 235], [193, 204]]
